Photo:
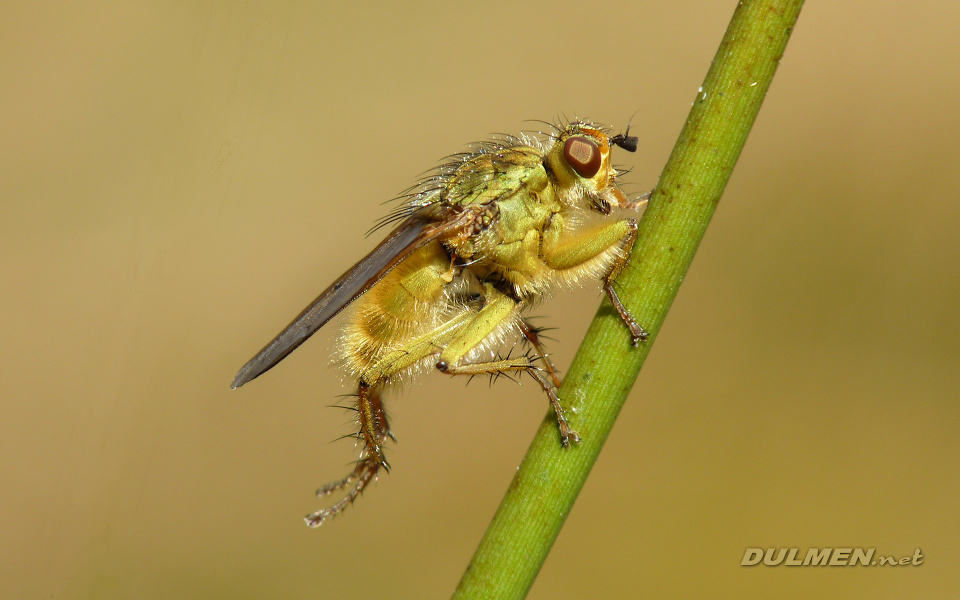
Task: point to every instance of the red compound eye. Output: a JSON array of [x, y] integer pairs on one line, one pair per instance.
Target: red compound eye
[[583, 155]]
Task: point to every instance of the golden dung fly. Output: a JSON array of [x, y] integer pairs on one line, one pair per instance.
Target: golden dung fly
[[480, 239]]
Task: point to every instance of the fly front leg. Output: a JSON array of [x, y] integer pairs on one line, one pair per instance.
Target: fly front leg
[[640, 202], [590, 251], [499, 310], [637, 333]]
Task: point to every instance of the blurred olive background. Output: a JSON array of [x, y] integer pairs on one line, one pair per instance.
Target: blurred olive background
[[178, 180]]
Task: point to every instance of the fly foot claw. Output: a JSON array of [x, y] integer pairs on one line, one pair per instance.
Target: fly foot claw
[[567, 436]]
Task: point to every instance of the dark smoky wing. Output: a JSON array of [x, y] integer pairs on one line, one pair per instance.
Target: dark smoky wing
[[411, 235]]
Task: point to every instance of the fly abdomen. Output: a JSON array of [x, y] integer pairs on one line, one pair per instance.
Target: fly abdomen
[[405, 304]]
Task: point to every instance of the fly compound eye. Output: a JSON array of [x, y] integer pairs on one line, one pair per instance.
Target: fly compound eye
[[583, 155]]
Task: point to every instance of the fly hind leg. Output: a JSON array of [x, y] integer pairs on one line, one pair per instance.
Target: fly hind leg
[[374, 431]]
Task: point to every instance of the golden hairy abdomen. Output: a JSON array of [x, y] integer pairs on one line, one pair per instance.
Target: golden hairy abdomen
[[405, 304]]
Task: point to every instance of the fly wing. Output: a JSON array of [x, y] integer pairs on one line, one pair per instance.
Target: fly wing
[[414, 233]]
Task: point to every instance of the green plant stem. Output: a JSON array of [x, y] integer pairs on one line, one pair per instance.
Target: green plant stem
[[606, 366]]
